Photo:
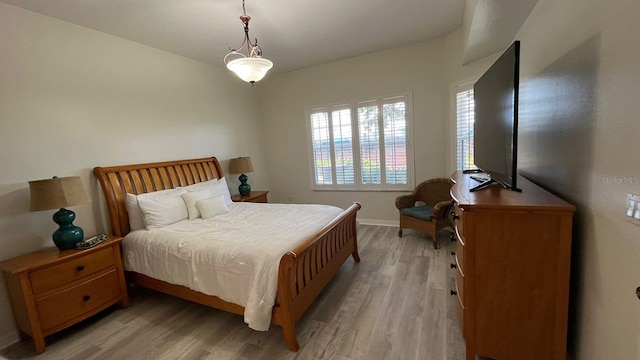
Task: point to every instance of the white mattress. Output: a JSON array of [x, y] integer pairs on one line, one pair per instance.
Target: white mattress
[[234, 256]]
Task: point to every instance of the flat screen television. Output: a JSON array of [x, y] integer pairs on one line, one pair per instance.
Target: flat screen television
[[496, 121]]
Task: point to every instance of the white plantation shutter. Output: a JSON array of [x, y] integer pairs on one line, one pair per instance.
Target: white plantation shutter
[[369, 131], [362, 145], [395, 141], [321, 148], [343, 146], [464, 126]]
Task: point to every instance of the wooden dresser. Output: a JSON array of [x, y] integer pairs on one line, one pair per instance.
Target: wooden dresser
[[512, 260], [51, 289]]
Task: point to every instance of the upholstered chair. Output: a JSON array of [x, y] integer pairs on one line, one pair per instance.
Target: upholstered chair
[[427, 208]]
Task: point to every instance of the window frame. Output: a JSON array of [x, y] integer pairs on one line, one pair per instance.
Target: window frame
[[353, 105]]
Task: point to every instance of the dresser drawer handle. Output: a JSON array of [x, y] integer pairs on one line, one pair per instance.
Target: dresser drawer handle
[[454, 293], [86, 298], [79, 268], [454, 216], [453, 266]]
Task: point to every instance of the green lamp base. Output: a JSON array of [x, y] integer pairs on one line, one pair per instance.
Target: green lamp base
[[67, 234], [244, 188]]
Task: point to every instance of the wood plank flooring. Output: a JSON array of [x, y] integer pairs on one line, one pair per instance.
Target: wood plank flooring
[[395, 304]]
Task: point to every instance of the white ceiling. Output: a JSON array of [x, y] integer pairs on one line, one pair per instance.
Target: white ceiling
[[293, 34]]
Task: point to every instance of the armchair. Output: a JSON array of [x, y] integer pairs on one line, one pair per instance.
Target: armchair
[[428, 218]]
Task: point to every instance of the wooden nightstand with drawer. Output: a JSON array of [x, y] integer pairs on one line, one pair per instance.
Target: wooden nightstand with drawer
[[254, 197], [52, 289]]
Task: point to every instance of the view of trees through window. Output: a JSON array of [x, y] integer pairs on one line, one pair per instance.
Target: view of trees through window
[[361, 145]]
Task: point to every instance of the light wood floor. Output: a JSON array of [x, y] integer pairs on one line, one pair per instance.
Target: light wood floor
[[395, 304]]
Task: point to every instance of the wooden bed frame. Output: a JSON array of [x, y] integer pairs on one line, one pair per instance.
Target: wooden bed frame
[[303, 272]]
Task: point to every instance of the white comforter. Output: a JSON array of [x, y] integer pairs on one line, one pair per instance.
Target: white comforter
[[234, 256]]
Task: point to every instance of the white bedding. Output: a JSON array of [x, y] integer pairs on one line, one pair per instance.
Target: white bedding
[[234, 256]]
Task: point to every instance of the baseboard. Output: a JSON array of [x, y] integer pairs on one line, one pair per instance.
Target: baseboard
[[377, 222], [9, 338]]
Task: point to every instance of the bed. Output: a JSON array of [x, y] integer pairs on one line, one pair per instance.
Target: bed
[[302, 271]]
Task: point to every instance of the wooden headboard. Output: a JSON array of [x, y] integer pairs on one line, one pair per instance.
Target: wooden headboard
[[117, 181]]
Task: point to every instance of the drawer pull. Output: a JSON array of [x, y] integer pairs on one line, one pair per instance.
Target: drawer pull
[[453, 266], [454, 293], [79, 268], [86, 298], [454, 216]]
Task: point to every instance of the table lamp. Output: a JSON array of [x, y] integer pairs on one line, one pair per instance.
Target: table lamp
[[242, 165], [58, 193]]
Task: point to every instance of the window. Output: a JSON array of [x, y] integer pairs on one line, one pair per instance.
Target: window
[[362, 145], [464, 127]]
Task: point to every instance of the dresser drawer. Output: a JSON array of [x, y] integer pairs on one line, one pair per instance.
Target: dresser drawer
[[460, 314], [67, 305], [72, 270], [460, 286], [460, 305], [460, 255], [458, 220]]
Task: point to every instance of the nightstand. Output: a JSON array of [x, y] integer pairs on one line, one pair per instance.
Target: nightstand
[[52, 289], [254, 197]]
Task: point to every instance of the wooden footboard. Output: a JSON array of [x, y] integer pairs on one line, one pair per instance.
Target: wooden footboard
[[303, 272], [306, 270]]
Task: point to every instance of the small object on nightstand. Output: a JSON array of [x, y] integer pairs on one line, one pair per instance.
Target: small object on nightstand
[[91, 242], [254, 197]]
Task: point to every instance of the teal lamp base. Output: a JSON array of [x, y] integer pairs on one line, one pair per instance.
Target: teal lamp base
[[67, 234], [244, 188]]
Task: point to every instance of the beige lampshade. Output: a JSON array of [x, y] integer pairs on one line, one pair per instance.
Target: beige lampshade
[[57, 193], [241, 165]]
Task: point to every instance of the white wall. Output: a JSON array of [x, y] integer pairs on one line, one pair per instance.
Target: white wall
[[579, 137], [417, 68], [426, 69], [72, 98]]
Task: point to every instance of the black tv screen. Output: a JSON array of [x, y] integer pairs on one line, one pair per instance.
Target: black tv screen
[[496, 119]]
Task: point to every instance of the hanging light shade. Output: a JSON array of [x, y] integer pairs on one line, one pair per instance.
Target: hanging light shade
[[251, 67]]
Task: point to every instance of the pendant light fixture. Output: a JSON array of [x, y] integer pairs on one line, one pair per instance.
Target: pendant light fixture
[[251, 67]]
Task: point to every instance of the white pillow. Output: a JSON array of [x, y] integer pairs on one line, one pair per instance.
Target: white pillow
[[136, 217], [162, 208], [212, 207], [190, 199], [205, 185], [216, 187]]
